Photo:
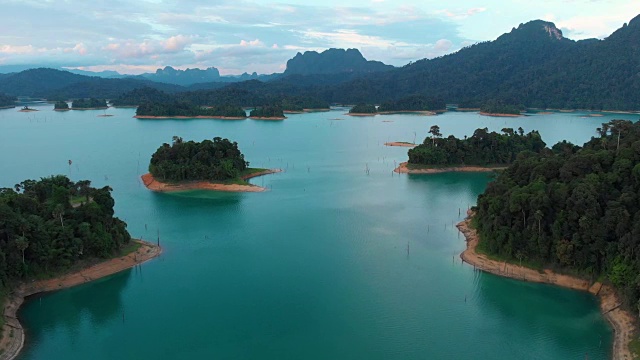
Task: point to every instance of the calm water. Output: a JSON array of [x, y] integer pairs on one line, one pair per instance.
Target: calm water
[[332, 263]]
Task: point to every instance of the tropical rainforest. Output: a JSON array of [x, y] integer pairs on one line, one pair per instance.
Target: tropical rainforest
[[49, 224], [572, 208], [413, 103], [499, 107], [483, 148], [210, 160], [61, 105]]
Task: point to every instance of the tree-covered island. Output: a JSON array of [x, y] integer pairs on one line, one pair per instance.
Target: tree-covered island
[[184, 109], [61, 106], [482, 149], [215, 164], [268, 112], [363, 110], [416, 103], [500, 108], [301, 104], [89, 104]]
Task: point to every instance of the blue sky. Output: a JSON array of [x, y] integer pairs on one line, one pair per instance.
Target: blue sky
[[134, 36]]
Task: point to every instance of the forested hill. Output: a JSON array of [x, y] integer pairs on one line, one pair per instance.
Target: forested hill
[[333, 61], [63, 85], [533, 65], [571, 208]]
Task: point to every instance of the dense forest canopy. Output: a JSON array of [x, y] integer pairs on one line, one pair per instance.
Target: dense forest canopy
[[6, 100], [413, 103], [571, 207], [269, 111], [500, 107], [48, 225], [482, 148], [300, 103], [140, 96], [184, 108], [61, 105], [90, 103], [216, 160], [363, 109]]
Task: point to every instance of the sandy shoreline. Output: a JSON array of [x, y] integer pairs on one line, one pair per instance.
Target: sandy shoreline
[[7, 107], [61, 109], [403, 169], [28, 110], [399, 143], [154, 185], [267, 117], [190, 117], [13, 333], [94, 108], [361, 114], [621, 321], [420, 112], [498, 114]]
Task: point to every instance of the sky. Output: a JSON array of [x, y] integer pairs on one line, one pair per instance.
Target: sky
[[235, 36]]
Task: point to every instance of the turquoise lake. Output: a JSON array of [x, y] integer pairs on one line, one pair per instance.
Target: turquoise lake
[[330, 263]]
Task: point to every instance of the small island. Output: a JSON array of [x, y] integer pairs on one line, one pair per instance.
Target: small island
[[89, 104], [7, 102], [300, 105], [214, 164], [267, 112], [569, 210], [56, 234], [483, 151], [27, 109], [61, 106], [400, 143], [413, 104], [363, 110], [185, 110], [500, 109]]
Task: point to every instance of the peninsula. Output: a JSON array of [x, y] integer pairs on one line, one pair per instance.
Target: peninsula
[[64, 232], [214, 164], [61, 106], [568, 209]]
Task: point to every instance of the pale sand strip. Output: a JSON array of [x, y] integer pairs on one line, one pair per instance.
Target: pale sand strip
[[154, 185], [621, 321], [403, 169], [399, 143], [13, 343], [499, 115]]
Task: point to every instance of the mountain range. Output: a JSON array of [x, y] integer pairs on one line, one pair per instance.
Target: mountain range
[[533, 65]]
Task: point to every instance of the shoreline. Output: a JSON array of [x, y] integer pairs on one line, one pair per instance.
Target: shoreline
[[190, 117], [361, 114], [498, 114], [7, 107], [267, 117], [403, 169], [13, 333], [154, 185], [61, 109], [28, 110], [419, 112], [93, 108], [400, 143], [621, 321]]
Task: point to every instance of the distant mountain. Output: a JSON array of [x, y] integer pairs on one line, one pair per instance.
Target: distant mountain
[[333, 61], [186, 77], [57, 84], [108, 74], [533, 65]]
